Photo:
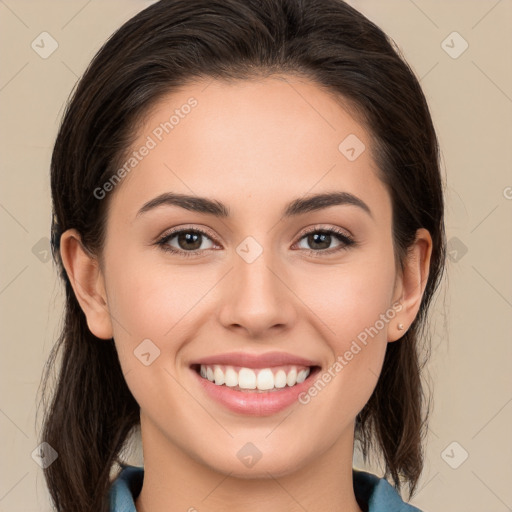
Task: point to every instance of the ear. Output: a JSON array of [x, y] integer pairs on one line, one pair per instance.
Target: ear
[[411, 283], [87, 280]]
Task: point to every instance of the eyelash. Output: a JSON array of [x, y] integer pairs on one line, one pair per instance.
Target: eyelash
[[346, 240]]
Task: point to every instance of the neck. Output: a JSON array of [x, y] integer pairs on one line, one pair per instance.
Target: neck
[[175, 481]]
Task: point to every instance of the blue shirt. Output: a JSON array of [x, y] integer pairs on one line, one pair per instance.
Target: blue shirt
[[374, 494]]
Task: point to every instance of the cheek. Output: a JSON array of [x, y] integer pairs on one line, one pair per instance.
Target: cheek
[[148, 298], [350, 298], [355, 314], [353, 310]]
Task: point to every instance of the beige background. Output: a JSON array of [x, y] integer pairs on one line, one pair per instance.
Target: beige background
[[471, 102]]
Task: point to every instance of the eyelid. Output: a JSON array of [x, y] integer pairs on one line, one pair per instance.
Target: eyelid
[[212, 236], [162, 240], [343, 236], [333, 230], [322, 227], [188, 227]]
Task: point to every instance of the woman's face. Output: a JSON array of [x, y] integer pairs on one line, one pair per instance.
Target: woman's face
[[262, 278]]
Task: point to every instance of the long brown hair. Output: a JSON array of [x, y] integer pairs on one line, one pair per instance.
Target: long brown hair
[[91, 412]]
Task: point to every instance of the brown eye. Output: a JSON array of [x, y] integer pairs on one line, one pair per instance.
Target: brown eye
[[320, 240], [186, 242]]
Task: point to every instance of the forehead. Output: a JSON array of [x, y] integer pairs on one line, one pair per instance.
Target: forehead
[[267, 138]]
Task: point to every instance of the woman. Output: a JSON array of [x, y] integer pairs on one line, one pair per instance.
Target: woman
[[248, 218]]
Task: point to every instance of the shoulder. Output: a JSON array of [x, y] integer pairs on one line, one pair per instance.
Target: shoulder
[[377, 494], [125, 488]]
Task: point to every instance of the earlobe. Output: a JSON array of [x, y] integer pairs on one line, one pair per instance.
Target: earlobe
[[86, 278], [412, 284]]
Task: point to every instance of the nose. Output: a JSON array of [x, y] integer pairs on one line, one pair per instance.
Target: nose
[[257, 299]]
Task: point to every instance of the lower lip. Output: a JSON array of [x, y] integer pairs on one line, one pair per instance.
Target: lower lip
[[256, 403]]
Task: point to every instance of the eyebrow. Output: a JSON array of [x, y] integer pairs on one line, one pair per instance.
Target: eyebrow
[[217, 209]]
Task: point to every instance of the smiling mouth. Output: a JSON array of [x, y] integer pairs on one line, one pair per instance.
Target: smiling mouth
[[255, 380]]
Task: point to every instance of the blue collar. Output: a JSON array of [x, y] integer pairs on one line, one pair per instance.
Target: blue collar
[[373, 494]]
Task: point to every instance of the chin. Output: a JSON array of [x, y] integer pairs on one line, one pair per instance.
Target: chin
[[267, 466]]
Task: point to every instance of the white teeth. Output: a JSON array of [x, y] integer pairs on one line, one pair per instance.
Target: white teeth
[[301, 377], [265, 379], [280, 379], [247, 378], [231, 377], [291, 378], [218, 375]]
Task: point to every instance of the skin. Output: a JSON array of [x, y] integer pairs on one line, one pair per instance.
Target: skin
[[253, 145]]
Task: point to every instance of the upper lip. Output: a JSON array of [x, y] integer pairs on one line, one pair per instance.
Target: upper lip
[[248, 360]]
